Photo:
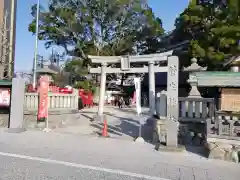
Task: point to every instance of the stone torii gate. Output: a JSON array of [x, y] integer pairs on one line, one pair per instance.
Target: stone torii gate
[[153, 66], [125, 62]]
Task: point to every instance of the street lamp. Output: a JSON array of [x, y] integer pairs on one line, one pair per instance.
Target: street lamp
[[36, 47]]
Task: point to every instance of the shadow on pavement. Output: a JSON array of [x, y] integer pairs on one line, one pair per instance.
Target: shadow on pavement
[[88, 117], [111, 129], [89, 112], [199, 150], [124, 126], [124, 119], [131, 127], [129, 110], [127, 127]]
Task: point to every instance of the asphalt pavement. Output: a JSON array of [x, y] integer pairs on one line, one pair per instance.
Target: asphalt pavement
[[29, 169], [39, 155]]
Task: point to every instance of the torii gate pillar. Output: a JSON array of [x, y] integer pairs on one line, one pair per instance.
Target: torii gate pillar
[[151, 76], [102, 90]]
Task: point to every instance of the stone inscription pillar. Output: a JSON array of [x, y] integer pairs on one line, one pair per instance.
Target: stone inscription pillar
[[172, 101], [16, 123]]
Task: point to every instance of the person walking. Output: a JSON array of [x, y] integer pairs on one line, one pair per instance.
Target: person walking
[[120, 102]]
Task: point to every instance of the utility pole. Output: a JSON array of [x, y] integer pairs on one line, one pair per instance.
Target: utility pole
[[36, 46]]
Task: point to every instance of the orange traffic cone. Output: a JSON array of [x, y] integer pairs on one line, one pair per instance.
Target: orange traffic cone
[[104, 130]]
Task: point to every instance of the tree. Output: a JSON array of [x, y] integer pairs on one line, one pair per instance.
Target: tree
[[78, 74], [75, 67], [213, 29], [61, 78], [98, 27]]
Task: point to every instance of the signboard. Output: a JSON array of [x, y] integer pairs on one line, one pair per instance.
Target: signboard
[[43, 98], [230, 99], [137, 83], [4, 97], [125, 63]]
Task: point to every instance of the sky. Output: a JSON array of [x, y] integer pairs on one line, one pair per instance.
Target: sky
[[167, 10]]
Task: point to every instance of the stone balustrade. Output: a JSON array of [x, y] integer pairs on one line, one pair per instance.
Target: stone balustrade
[[193, 115], [196, 110], [225, 125], [190, 109], [56, 102]]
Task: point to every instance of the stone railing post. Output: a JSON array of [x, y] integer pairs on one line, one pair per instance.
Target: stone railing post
[[161, 104], [75, 93]]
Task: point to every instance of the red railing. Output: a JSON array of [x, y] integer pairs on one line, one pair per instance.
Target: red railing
[[86, 97]]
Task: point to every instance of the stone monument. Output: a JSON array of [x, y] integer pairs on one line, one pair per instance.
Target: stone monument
[[16, 124], [172, 102]]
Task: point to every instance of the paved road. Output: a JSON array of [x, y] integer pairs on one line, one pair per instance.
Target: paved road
[[22, 168], [38, 155]]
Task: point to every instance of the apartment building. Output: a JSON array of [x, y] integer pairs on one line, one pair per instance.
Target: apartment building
[[7, 37]]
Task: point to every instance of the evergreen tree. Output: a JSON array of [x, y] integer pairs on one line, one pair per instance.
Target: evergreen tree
[[213, 29]]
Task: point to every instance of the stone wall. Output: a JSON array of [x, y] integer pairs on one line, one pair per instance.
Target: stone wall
[[228, 150], [56, 119], [4, 120]]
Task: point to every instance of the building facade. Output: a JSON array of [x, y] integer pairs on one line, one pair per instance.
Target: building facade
[[7, 37]]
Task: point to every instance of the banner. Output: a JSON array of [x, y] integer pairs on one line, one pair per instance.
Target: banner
[[43, 98], [134, 98], [4, 97], [137, 83]]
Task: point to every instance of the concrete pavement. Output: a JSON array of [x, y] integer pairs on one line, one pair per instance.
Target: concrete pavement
[[39, 155], [122, 123]]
